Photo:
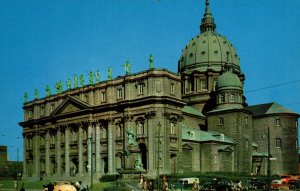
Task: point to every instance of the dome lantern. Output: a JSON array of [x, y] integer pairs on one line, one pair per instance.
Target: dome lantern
[[208, 23]]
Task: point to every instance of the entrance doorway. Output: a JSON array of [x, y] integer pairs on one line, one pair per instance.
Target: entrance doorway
[[143, 150]]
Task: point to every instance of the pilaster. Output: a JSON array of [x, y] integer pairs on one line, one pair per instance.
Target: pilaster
[[67, 150]]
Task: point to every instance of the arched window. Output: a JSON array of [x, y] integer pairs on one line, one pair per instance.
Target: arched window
[[104, 135], [140, 128]]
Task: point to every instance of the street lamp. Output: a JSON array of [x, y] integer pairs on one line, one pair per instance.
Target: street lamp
[[269, 161], [158, 154]]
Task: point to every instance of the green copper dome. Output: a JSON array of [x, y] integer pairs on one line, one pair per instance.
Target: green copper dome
[[208, 50], [229, 80]]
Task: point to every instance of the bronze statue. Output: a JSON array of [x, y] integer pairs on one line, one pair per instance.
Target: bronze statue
[[48, 91], [151, 59], [97, 76], [109, 73], [36, 93], [81, 80], [127, 67], [75, 79]]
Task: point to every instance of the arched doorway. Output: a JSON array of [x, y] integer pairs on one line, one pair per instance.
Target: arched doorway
[[143, 150]]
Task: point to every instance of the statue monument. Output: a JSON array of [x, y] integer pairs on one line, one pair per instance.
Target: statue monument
[[151, 59], [109, 73]]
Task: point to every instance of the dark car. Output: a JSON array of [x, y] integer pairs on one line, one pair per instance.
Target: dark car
[[257, 184], [215, 185]]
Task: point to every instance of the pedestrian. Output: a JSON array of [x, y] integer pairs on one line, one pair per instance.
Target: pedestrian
[[195, 185], [145, 185], [165, 184], [22, 188]]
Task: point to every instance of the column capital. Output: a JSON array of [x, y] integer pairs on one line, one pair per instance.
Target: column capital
[[150, 114]]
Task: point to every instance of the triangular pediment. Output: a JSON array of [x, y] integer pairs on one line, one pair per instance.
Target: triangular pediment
[[70, 105], [187, 146]]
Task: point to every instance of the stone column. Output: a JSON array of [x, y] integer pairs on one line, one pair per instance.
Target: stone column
[[67, 150], [110, 148], [98, 150], [80, 152], [58, 153], [47, 154], [25, 139], [36, 155], [89, 153]]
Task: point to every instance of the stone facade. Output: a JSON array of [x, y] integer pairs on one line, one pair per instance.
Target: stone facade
[[158, 122]]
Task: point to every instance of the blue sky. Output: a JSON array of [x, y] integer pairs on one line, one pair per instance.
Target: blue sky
[[44, 41]]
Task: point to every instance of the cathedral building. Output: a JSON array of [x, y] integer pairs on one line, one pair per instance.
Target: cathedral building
[[159, 122]]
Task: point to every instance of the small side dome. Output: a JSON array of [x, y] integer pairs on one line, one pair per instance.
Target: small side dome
[[229, 80]]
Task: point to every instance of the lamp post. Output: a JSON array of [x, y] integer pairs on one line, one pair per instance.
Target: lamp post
[[17, 168], [269, 161], [158, 154]]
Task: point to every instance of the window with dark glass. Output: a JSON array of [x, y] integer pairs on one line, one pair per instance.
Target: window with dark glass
[[278, 142], [277, 122], [221, 121]]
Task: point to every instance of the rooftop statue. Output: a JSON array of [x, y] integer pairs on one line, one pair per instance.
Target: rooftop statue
[[97, 76], [127, 67], [48, 91], [91, 77], [75, 79], [25, 97], [109, 73], [81, 80], [151, 59], [36, 93], [57, 87], [68, 82], [60, 86]]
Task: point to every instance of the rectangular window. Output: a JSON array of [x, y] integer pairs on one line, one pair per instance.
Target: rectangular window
[[191, 134], [42, 110], [141, 88], [277, 122], [278, 143], [202, 84], [231, 98], [119, 93], [172, 89], [296, 123], [103, 96], [30, 112], [221, 121], [246, 120]]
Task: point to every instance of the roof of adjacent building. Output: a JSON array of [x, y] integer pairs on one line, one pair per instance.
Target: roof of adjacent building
[[192, 110], [269, 108], [205, 136]]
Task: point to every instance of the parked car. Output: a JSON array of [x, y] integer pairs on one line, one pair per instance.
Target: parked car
[[279, 185], [185, 183], [257, 184]]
